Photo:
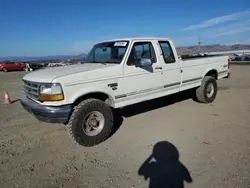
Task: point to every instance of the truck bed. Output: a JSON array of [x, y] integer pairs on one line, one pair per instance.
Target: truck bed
[[189, 57]]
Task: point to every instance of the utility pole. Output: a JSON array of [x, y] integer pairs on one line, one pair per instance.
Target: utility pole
[[199, 46]]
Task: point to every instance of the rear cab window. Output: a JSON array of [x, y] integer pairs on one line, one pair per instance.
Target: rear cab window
[[167, 51], [141, 50]]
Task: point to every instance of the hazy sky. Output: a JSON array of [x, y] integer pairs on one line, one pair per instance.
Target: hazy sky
[[54, 27]]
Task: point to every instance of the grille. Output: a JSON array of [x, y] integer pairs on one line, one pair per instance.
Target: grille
[[31, 89]]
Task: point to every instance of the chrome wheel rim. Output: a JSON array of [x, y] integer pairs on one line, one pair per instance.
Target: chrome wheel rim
[[210, 90], [93, 123]]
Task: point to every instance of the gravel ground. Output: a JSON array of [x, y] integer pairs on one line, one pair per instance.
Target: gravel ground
[[195, 145]]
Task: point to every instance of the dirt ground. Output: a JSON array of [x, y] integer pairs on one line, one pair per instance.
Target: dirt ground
[[197, 145]]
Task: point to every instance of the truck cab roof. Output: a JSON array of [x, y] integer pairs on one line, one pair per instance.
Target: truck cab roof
[[137, 39]]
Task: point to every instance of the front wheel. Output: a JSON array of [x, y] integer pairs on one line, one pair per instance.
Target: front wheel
[[91, 122], [5, 70], [207, 91]]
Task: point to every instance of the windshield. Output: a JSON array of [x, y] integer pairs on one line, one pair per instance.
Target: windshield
[[107, 52]]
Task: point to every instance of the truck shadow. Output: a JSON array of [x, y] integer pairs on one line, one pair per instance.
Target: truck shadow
[[163, 168], [150, 105], [14, 101], [155, 104]]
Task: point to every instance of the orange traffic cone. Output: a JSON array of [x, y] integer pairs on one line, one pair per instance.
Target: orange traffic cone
[[6, 98]]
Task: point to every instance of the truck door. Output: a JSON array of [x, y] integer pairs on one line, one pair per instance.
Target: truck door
[[170, 67], [141, 81]]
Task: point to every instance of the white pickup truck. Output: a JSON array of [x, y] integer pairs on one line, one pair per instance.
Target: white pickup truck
[[117, 73]]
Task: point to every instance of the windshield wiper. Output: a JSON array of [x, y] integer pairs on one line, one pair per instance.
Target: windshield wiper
[[98, 62], [115, 62]]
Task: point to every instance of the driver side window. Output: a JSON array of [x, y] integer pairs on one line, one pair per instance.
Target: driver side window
[[141, 50]]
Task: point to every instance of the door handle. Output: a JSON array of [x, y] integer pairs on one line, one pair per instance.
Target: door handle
[[158, 67]]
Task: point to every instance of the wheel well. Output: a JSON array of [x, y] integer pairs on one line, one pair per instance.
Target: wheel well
[[213, 73], [97, 95]]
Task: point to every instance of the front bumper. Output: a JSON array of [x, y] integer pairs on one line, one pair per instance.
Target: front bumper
[[46, 113]]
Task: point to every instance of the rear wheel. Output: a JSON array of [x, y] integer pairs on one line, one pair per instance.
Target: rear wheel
[[207, 92], [91, 122], [5, 70]]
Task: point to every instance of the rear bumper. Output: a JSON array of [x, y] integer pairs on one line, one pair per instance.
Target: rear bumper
[[46, 113], [228, 75]]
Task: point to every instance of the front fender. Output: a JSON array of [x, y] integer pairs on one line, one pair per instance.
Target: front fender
[[73, 95]]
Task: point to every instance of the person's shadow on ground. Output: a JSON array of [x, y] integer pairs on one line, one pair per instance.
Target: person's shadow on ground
[[166, 171]]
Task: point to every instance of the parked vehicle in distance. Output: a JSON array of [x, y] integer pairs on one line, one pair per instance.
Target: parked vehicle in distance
[[117, 73], [244, 57], [35, 66], [10, 66]]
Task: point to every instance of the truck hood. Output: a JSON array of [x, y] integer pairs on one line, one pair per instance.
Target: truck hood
[[49, 74]]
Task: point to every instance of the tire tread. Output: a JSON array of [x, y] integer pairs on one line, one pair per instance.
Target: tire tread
[[70, 125], [200, 91]]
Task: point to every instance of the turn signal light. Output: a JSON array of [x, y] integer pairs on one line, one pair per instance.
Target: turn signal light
[[55, 97]]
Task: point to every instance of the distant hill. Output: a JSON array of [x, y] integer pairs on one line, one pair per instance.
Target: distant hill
[[56, 57], [80, 56], [182, 50]]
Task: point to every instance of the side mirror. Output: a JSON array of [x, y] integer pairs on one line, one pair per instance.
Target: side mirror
[[144, 62]]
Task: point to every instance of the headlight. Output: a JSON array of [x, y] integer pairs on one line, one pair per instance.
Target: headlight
[[51, 92]]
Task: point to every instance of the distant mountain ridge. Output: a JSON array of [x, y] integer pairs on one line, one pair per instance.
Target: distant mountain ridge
[[181, 50], [80, 56], [56, 57]]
